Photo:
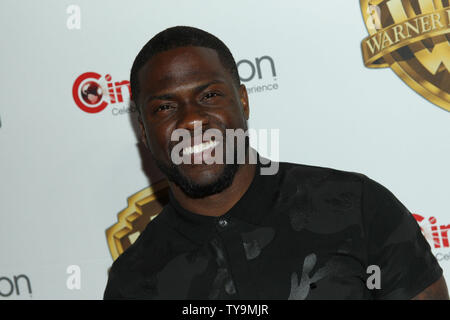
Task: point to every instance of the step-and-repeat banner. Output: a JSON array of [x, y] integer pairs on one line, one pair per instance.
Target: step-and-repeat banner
[[359, 86]]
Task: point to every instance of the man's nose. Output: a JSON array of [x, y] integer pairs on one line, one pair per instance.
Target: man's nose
[[192, 115]]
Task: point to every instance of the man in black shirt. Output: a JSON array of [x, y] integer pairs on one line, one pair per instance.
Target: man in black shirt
[[230, 232]]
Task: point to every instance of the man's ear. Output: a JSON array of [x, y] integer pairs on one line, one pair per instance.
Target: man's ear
[[143, 136], [244, 100]]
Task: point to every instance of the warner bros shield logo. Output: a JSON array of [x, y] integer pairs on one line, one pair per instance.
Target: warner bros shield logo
[[143, 207], [412, 38]]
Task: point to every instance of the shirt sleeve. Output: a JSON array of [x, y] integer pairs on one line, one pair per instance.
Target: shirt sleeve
[[112, 291], [396, 245]]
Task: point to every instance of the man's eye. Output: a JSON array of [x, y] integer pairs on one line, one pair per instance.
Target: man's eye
[[210, 95], [163, 107]]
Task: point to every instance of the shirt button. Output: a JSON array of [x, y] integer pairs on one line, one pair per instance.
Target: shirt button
[[223, 222]]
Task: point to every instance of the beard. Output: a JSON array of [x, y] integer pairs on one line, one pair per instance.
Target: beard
[[196, 190]]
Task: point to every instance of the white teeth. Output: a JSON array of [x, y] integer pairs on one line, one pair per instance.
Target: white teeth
[[199, 147]]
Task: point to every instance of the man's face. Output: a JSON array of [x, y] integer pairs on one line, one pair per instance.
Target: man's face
[[179, 89]]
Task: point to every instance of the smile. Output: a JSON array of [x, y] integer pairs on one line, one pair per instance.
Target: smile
[[199, 148]]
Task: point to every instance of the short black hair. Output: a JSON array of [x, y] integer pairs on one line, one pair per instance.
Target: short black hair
[[181, 36]]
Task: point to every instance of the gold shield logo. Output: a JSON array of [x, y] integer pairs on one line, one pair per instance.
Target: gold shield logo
[[412, 38], [142, 207]]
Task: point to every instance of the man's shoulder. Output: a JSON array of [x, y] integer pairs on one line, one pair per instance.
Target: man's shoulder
[[313, 173], [321, 192]]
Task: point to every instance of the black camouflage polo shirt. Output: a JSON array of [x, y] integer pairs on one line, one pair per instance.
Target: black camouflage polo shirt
[[303, 233]]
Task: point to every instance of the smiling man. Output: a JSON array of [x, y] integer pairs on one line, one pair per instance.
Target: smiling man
[[230, 232]]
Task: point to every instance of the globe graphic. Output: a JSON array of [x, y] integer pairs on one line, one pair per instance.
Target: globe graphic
[[91, 93]]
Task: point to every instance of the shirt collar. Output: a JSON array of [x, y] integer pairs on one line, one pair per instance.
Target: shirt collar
[[250, 209]]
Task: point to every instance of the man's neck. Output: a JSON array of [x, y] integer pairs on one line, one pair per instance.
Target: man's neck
[[218, 204]]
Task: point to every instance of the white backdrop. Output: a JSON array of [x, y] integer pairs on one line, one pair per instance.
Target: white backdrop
[[65, 173]]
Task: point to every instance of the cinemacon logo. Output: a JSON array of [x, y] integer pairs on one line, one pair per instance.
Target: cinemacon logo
[[93, 92], [15, 285], [434, 233]]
